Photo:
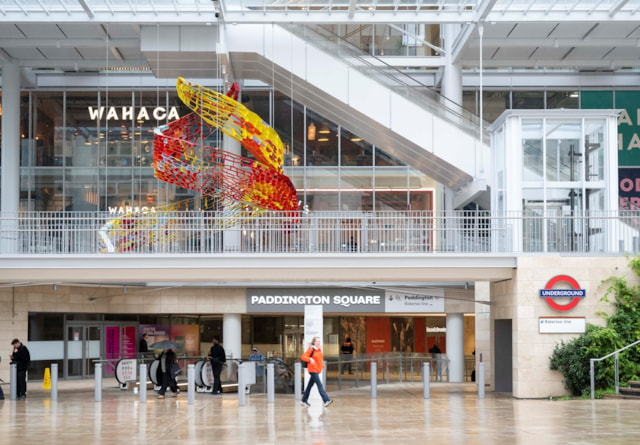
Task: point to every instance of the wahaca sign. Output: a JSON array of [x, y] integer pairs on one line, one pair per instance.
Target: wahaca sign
[[133, 113]]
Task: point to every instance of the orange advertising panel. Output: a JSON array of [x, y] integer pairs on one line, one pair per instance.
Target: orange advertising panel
[[378, 334], [419, 334], [188, 337]]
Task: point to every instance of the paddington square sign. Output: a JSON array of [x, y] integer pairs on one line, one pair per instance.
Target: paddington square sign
[[342, 300]]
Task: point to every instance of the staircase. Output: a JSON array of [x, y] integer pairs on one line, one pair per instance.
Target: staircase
[[404, 118], [632, 391]]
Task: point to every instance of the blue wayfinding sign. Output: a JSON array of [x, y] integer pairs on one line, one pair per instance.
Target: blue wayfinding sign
[[562, 292]]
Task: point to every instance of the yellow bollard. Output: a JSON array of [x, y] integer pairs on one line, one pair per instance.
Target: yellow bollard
[[46, 383]]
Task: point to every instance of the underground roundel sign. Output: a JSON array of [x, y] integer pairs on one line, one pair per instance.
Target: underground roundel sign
[[574, 293]]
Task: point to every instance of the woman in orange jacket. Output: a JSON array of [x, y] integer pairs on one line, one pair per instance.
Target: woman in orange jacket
[[313, 356]]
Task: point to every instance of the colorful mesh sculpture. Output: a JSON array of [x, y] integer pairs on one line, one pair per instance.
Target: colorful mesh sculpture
[[236, 187], [235, 120]]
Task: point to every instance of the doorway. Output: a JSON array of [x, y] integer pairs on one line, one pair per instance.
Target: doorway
[[83, 345], [504, 356], [292, 339], [89, 342]]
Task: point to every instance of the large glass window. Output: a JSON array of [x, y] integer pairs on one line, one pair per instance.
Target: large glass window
[[563, 99], [563, 151], [93, 151], [594, 154], [528, 100], [533, 160]]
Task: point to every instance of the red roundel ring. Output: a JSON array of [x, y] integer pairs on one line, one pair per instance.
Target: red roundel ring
[[574, 285]]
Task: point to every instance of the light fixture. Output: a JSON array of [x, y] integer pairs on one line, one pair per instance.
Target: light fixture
[[356, 139], [311, 132], [323, 139], [324, 129]]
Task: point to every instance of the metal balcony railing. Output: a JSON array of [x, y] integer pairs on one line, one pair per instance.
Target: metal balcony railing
[[349, 233]]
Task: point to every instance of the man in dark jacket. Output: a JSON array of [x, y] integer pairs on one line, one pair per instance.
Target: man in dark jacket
[[218, 357], [21, 358], [143, 346], [347, 351]]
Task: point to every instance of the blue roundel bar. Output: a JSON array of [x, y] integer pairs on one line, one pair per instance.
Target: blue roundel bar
[[546, 293]]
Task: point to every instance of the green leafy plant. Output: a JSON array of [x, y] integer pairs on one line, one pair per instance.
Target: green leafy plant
[[622, 327]]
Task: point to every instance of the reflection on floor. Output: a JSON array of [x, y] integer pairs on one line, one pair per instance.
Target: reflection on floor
[[399, 415]]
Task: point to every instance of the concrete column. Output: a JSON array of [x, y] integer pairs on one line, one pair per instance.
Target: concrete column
[[452, 74], [313, 327], [10, 173], [455, 347], [483, 329], [232, 335], [231, 236]]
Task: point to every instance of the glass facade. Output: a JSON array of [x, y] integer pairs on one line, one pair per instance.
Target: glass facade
[[563, 172], [90, 151], [93, 151], [74, 340]]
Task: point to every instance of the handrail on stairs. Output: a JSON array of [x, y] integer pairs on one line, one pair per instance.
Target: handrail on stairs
[[389, 76], [617, 367]]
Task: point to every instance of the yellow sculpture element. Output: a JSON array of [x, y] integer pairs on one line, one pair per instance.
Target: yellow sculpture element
[[235, 120], [155, 230], [235, 189]]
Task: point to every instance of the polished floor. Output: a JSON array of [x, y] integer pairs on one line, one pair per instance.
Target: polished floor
[[399, 415]]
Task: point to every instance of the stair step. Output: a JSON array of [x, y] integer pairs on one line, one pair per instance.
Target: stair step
[[634, 384], [631, 391]]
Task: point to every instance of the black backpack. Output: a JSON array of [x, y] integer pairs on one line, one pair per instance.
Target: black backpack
[[304, 364]]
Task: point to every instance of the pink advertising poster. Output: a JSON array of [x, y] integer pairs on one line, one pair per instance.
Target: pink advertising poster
[[112, 348], [129, 342]]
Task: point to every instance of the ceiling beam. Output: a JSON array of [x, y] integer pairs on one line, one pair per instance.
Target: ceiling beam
[[87, 8], [558, 43], [469, 29], [352, 8], [617, 7], [69, 43]]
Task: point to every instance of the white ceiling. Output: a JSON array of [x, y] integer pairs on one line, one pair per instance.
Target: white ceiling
[[87, 35]]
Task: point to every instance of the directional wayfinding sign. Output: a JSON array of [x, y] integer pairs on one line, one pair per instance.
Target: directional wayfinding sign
[[573, 294]]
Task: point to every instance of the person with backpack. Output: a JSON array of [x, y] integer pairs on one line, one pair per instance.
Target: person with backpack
[[315, 364]]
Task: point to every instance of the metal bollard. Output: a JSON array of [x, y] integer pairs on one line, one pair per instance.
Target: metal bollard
[[98, 382], [241, 385], [297, 375], [426, 378], [143, 382], [481, 380], [324, 374], [13, 383], [191, 384], [271, 386], [54, 382], [374, 380]]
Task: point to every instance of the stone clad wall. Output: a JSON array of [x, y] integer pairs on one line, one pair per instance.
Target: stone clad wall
[[532, 377]]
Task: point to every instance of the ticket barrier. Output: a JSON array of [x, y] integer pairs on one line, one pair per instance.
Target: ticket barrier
[[203, 376]]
